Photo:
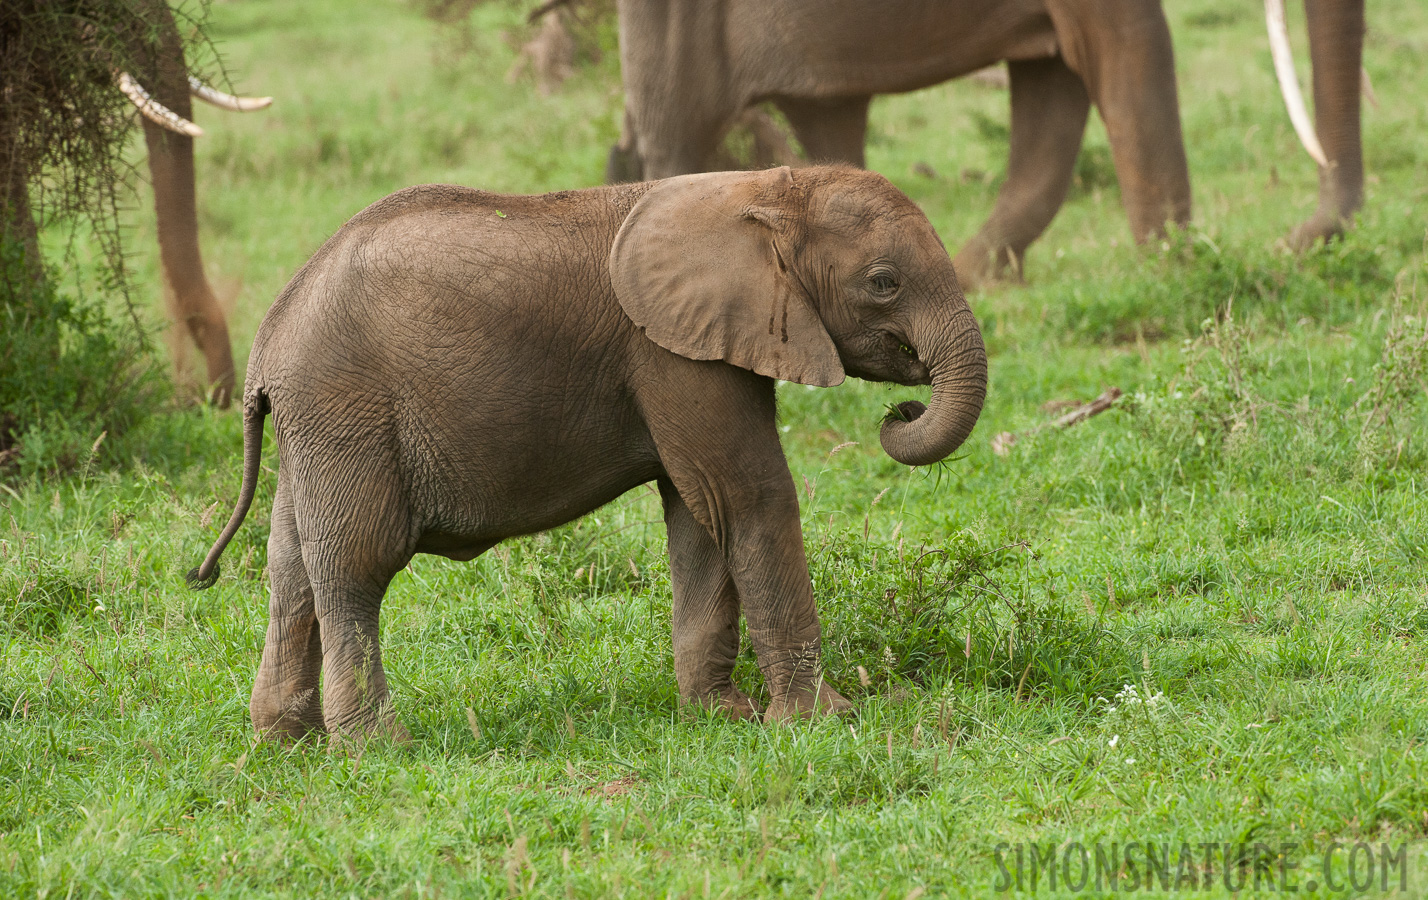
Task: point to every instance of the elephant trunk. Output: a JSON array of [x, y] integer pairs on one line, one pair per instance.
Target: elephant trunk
[[919, 435]]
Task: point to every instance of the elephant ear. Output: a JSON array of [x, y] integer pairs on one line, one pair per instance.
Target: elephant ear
[[701, 264]]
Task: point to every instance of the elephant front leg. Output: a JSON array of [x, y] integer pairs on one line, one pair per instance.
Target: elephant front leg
[[705, 616], [714, 428], [1336, 44], [762, 545], [1049, 107], [763, 548]]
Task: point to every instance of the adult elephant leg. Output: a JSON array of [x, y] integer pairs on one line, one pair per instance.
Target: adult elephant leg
[[623, 164], [1336, 43], [831, 131], [706, 613], [678, 140], [1049, 106], [1122, 52], [680, 92], [286, 701]]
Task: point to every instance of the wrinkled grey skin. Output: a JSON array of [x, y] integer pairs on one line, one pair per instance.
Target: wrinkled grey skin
[[454, 368], [690, 66]]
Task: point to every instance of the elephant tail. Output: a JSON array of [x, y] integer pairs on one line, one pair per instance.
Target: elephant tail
[[254, 412]]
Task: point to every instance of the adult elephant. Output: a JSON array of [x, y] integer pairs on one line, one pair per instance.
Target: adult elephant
[[689, 66]]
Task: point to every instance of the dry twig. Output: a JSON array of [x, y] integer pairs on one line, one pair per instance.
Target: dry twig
[[1002, 442]]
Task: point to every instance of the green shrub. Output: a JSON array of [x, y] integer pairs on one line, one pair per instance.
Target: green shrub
[[70, 373], [970, 611]]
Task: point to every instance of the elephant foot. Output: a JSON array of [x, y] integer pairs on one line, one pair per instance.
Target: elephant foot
[[359, 736], [806, 701], [1320, 228], [287, 721], [730, 702], [980, 265]]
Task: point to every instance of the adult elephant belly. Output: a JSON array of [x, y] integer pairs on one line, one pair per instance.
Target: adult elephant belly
[[906, 46], [500, 467]]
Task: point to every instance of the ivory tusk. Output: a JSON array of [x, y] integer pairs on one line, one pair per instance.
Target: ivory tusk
[[226, 101], [1289, 82], [1367, 87], [153, 110]]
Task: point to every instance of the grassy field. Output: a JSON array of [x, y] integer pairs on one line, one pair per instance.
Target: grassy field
[[1200, 617]]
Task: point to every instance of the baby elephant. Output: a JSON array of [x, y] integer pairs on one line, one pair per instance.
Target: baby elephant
[[454, 368]]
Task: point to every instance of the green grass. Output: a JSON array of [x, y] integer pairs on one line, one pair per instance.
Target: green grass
[[1245, 533]]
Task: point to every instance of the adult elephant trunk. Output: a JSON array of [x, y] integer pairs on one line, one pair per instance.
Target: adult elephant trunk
[[920, 435], [190, 296]]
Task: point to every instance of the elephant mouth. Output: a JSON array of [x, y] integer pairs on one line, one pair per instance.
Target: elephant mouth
[[900, 370], [911, 370], [906, 365]]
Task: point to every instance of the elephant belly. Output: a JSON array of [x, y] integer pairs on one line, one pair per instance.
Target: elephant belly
[[510, 482], [453, 546], [921, 43]]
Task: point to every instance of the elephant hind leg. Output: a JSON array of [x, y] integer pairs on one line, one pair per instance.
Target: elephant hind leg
[[1049, 107], [357, 534], [286, 702], [705, 616]]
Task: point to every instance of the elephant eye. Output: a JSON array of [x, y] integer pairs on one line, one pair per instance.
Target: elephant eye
[[883, 284]]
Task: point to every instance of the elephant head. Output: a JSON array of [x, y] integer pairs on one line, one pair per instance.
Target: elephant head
[[806, 276]]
